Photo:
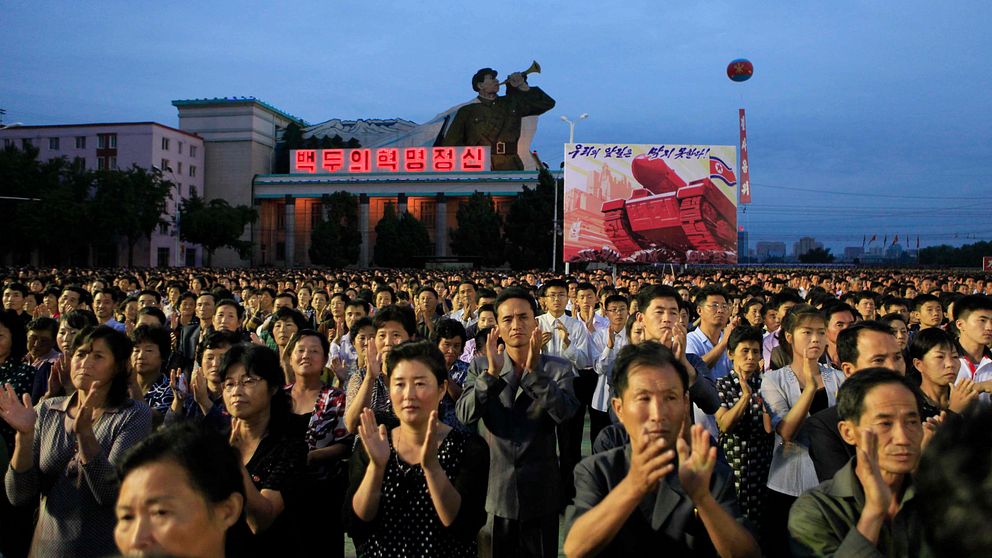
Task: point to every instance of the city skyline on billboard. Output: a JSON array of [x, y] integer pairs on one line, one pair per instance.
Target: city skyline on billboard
[[650, 203]]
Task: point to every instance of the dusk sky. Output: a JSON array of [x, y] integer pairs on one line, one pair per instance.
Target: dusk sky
[[864, 117]]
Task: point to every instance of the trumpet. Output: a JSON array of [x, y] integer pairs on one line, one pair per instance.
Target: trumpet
[[534, 68]]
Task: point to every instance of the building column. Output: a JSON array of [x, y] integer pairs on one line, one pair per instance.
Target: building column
[[290, 230], [363, 228], [401, 204], [441, 225]]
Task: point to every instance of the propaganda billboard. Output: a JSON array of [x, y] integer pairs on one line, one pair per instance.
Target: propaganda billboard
[[650, 203]]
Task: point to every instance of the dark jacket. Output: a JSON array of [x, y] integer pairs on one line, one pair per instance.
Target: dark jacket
[[827, 449]]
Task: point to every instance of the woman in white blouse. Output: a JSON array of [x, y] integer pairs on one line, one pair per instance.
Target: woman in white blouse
[[791, 394]]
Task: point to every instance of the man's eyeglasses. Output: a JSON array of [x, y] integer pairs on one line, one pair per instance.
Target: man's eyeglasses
[[247, 382], [715, 307]]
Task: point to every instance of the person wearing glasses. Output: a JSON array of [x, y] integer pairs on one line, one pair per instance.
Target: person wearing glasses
[[273, 456]]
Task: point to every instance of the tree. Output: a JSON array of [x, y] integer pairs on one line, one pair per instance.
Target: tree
[[817, 255], [336, 241], [529, 231], [479, 231], [215, 224], [400, 239], [133, 200], [969, 255]]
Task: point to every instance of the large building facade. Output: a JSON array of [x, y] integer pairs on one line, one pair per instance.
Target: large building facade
[[178, 154]]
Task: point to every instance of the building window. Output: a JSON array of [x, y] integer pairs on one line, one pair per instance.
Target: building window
[[165, 166], [53, 144], [165, 144], [163, 257], [428, 212], [316, 215], [106, 141], [179, 167], [163, 228], [26, 143], [80, 142], [113, 163], [7, 142], [101, 163], [192, 151], [79, 163], [179, 147], [192, 170]]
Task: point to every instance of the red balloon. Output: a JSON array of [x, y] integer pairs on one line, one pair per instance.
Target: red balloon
[[740, 69]]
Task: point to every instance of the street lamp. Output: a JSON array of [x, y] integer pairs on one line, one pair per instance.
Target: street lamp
[[571, 139], [571, 125]]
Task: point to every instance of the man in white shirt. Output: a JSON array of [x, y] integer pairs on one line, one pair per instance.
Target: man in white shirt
[[604, 346], [709, 341], [468, 313], [568, 338], [973, 315]]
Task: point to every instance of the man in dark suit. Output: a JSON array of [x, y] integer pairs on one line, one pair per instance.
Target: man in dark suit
[[517, 398], [641, 498], [866, 344]]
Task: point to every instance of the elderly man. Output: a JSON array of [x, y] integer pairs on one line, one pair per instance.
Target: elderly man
[[868, 508]]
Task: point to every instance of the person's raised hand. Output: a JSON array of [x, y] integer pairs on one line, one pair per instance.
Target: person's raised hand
[[696, 462], [650, 461], [534, 353], [177, 383], [17, 411], [201, 393], [878, 495], [88, 404], [374, 439], [432, 442], [493, 356], [930, 428], [962, 394], [373, 365], [563, 331]]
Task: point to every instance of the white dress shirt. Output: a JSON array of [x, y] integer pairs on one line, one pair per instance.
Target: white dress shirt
[[602, 358], [577, 351]]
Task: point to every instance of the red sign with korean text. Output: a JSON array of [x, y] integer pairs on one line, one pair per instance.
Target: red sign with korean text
[[386, 160], [745, 195]]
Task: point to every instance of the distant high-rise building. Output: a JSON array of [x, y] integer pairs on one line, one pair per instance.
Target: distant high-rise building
[[805, 245], [852, 252]]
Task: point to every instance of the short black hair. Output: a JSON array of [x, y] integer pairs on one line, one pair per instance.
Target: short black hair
[[421, 351], [325, 345], [212, 465], [708, 291], [838, 308], [19, 287], [78, 319], [426, 289], [154, 293], [393, 313], [968, 304], [120, 346], [261, 361], [648, 353], [154, 312], [158, 336], [553, 283], [785, 297], [480, 76], [864, 295], [291, 314], [449, 329], [953, 479], [852, 393], [651, 292], [925, 340], [847, 339], [610, 299], [515, 293], [290, 295], [586, 286], [922, 299], [44, 324], [744, 333], [238, 309], [359, 325], [216, 340]]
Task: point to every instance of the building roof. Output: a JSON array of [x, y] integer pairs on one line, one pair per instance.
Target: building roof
[[99, 125], [236, 101]]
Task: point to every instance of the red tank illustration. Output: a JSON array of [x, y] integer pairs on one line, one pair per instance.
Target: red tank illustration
[[669, 214]]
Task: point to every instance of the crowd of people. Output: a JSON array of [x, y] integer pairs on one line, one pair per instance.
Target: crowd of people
[[730, 412]]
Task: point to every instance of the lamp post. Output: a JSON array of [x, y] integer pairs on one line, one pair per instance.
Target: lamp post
[[571, 139]]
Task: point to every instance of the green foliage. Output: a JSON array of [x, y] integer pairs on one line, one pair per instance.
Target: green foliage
[[529, 231], [817, 255], [133, 200], [336, 241], [479, 231], [969, 255], [215, 224], [400, 239], [68, 208]]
